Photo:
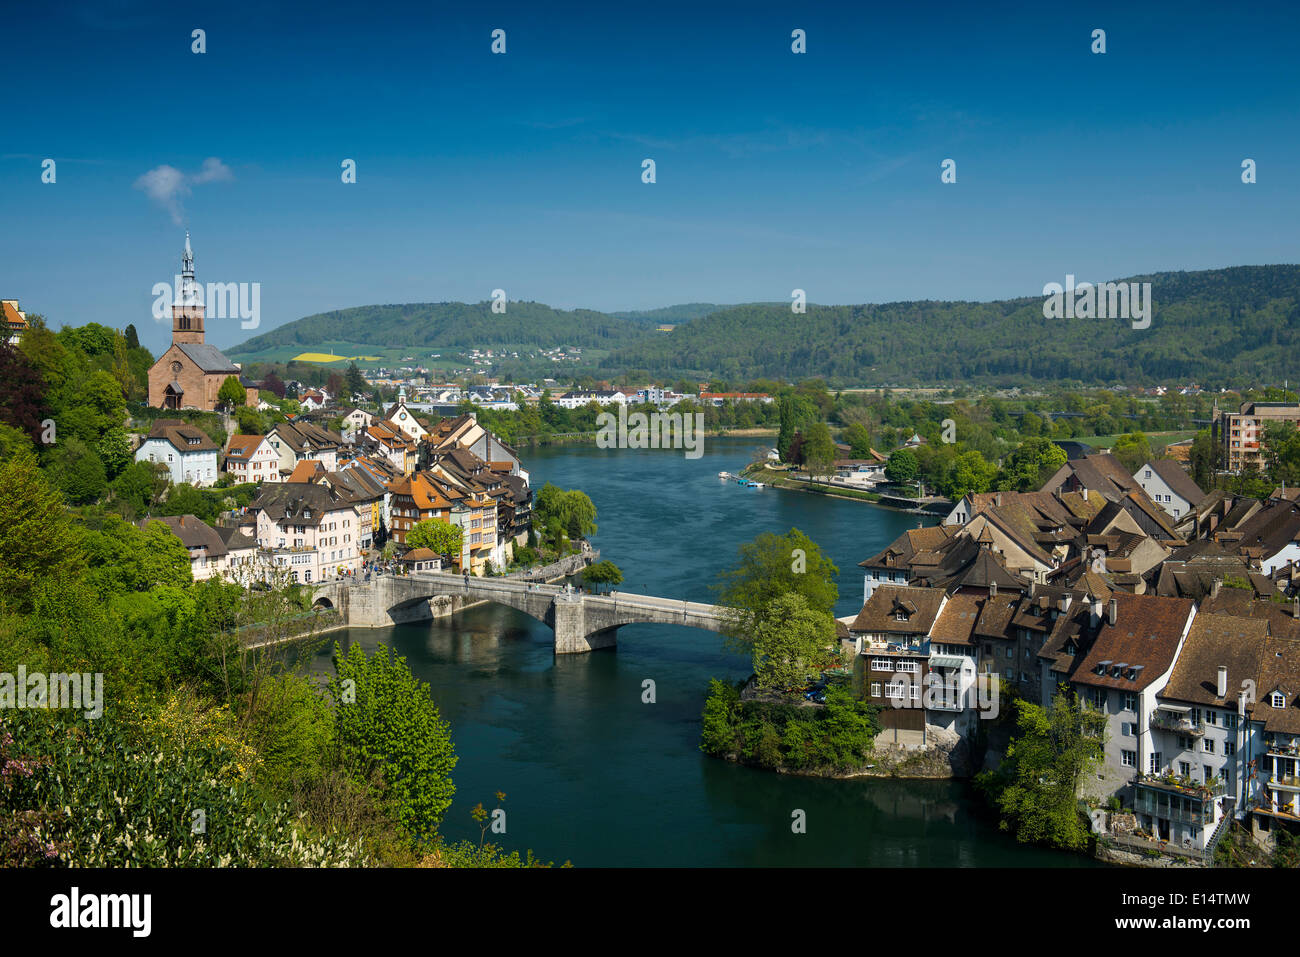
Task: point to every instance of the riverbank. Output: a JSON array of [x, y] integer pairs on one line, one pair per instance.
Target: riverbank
[[777, 479]]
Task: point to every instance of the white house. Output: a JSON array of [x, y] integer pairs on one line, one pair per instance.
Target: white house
[[188, 453], [251, 458], [309, 531], [1169, 486], [404, 420]]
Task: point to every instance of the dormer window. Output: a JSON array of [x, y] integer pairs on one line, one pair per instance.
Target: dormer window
[[1278, 700]]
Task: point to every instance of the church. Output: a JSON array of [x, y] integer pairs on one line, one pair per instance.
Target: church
[[190, 373]]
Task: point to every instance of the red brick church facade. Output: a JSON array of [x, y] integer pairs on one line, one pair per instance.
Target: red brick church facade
[[190, 373]]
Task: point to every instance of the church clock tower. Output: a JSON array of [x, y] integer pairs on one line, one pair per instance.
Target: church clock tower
[[187, 308]]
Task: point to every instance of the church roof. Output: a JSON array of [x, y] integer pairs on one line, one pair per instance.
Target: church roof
[[207, 358]]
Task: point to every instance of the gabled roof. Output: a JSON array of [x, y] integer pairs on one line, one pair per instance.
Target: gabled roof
[[307, 470], [193, 532], [1279, 671], [207, 357], [183, 436], [899, 552], [297, 504], [1144, 637], [1214, 641], [1179, 482], [243, 446], [920, 607]]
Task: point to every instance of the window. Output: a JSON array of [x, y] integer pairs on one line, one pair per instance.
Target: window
[[1128, 758], [1211, 717], [1277, 700], [1207, 745], [1155, 762], [1126, 729], [1184, 769], [1229, 748], [875, 689], [1130, 702]]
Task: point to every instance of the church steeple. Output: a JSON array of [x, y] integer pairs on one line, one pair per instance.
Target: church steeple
[[187, 307]]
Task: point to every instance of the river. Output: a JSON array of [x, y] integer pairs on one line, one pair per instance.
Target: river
[[593, 775]]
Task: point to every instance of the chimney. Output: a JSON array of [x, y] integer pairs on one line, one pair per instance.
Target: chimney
[[1295, 607], [1033, 589], [1112, 612], [1084, 490], [1214, 588], [997, 500], [993, 589], [1064, 603], [1222, 689], [1094, 612]]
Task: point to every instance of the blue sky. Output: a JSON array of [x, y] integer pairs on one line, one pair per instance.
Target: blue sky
[[775, 171]]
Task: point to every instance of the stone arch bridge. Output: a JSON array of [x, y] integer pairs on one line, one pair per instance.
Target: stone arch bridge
[[581, 622]]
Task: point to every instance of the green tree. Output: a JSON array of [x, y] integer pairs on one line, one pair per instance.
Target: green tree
[[902, 467], [819, 450], [78, 471], [569, 510], [37, 539], [1204, 459], [355, 383], [858, 439], [790, 642], [1036, 785], [797, 412], [436, 535], [232, 395], [1133, 451], [1029, 465], [767, 568], [602, 573], [392, 738]]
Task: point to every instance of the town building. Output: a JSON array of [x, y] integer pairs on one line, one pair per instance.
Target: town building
[[1169, 486], [15, 320], [251, 458], [186, 450], [1241, 435], [189, 375], [307, 531]]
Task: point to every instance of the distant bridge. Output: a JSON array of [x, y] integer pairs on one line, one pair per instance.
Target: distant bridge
[[581, 622]]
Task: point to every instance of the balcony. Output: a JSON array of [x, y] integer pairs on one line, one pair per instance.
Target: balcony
[[1185, 803], [1178, 723], [1172, 784]]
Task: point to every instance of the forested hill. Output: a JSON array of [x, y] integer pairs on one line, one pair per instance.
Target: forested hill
[[1213, 326], [446, 324], [1219, 327]]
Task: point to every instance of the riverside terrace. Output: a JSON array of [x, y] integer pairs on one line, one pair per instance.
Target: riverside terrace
[[581, 622]]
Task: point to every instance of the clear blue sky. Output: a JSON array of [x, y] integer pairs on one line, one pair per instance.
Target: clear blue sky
[[523, 171]]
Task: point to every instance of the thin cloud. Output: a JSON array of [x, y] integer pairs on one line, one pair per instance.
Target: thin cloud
[[166, 185]]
